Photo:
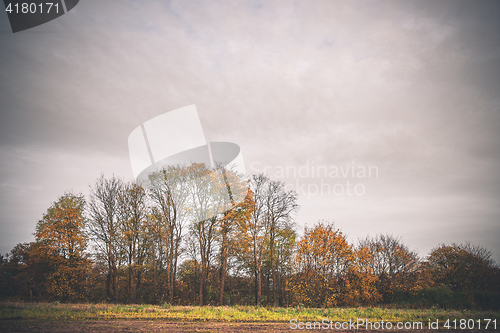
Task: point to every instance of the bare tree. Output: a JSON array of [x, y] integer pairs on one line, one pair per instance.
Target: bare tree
[[103, 211], [463, 267], [208, 200], [393, 262], [390, 255], [168, 192], [253, 233], [280, 205], [133, 239]]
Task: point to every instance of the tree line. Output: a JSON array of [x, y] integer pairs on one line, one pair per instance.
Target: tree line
[[199, 235]]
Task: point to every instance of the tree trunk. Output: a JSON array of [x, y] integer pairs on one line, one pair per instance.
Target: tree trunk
[[174, 275], [114, 278], [196, 274], [109, 279], [170, 288], [129, 282], [273, 272], [168, 253], [256, 283], [137, 285], [202, 283], [155, 283], [223, 268], [115, 283], [130, 279], [259, 286]]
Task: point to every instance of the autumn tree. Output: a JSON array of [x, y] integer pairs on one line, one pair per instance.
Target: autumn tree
[[323, 259], [253, 233], [194, 234], [284, 251], [271, 214], [358, 287], [62, 227], [241, 199], [60, 237]]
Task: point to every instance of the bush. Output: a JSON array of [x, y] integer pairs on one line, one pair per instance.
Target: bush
[[445, 298]]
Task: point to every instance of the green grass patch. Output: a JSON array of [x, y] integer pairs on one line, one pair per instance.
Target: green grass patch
[[233, 314]]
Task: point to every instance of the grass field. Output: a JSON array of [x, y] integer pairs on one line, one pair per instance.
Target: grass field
[[234, 314]]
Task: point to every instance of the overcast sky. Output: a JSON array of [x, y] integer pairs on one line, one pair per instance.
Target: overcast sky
[[409, 87]]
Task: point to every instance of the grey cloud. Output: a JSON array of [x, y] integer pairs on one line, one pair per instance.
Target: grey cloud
[[408, 86]]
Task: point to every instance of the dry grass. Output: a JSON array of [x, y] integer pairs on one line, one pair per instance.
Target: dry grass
[[233, 314]]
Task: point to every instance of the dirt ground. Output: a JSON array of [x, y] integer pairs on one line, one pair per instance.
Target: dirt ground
[[135, 326], [38, 326]]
